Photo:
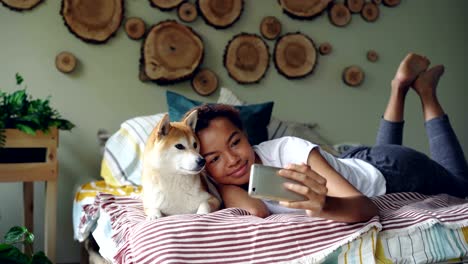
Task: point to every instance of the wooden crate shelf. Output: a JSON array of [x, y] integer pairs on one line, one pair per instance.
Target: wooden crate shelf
[[29, 172]]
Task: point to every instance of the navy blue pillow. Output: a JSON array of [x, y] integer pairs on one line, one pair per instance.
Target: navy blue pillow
[[255, 117]]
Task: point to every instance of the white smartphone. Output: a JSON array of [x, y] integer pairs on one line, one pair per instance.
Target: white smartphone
[[265, 183]]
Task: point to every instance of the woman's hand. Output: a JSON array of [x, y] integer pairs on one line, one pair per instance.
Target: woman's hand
[[312, 186], [327, 193]]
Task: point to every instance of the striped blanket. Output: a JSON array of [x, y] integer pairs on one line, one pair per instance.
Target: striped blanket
[[412, 228]]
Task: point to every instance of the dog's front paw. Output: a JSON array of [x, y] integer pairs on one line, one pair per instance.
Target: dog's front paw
[[204, 208], [152, 217], [153, 214]]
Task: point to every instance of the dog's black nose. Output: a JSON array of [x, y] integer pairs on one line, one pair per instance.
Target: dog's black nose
[[201, 162]]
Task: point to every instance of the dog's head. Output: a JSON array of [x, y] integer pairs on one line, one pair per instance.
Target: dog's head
[[174, 147]]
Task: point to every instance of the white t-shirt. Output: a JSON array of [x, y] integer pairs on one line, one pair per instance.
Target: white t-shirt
[[283, 151]]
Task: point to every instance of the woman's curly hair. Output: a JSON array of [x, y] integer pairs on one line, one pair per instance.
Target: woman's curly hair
[[208, 112]]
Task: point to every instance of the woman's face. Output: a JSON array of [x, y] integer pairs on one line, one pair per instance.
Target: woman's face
[[227, 152]]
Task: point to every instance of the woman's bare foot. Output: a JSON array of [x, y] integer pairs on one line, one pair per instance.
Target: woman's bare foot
[[425, 86], [409, 69], [426, 83]]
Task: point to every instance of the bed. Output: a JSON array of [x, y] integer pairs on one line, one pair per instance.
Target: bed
[[109, 221], [412, 229]]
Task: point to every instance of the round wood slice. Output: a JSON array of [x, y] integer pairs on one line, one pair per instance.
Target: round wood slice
[[205, 82], [165, 5], [391, 3], [141, 73], [270, 27], [370, 12], [355, 6], [135, 28], [304, 9], [220, 13], [21, 5], [171, 52], [372, 56], [339, 15], [246, 58], [295, 55], [325, 48], [187, 12], [353, 75], [65, 62], [377, 2], [93, 21]]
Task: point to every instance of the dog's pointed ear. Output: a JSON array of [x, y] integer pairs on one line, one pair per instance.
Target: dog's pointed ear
[[163, 126], [191, 119]]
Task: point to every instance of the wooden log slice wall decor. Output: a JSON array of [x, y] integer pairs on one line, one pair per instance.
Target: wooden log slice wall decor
[[165, 5], [304, 9], [355, 6], [353, 75], [65, 62], [93, 21], [187, 12], [246, 58], [370, 12], [270, 27], [205, 82], [141, 73], [295, 55], [372, 56], [325, 48], [391, 3], [220, 13], [171, 52], [21, 5], [135, 28], [339, 15]]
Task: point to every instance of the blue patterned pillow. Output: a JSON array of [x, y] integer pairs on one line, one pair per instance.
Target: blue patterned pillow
[[255, 117]]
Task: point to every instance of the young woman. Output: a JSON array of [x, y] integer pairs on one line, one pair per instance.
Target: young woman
[[338, 188]]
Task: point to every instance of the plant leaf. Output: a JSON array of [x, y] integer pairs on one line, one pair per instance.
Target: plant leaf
[[19, 79], [65, 124], [15, 234], [10, 254], [26, 129], [30, 118], [14, 105], [29, 238], [40, 258]]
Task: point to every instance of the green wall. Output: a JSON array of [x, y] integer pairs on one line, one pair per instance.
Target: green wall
[[105, 90]]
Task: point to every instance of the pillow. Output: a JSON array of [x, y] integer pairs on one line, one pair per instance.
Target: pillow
[[226, 96], [254, 117], [122, 159], [279, 128]]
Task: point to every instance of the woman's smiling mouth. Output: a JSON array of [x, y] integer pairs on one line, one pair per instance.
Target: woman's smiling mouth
[[239, 172]]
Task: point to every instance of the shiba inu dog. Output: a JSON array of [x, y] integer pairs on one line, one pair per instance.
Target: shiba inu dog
[[171, 178]]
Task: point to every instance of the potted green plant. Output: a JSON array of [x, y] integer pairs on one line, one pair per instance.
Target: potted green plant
[[9, 253], [19, 111]]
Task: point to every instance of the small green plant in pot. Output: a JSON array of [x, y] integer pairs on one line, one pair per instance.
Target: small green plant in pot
[[9, 253], [20, 111]]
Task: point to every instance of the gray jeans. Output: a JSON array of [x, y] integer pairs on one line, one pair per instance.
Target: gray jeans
[[407, 170]]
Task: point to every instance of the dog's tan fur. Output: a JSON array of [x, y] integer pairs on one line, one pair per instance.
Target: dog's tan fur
[[172, 181]]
